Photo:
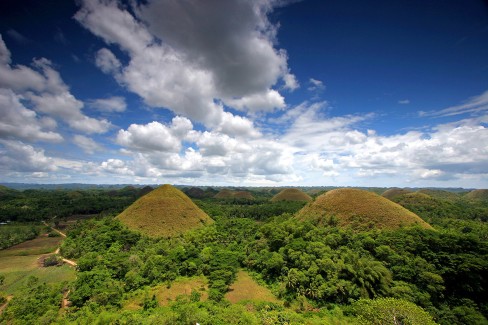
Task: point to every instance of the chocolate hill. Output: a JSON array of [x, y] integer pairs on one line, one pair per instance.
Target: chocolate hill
[[291, 194], [359, 209], [164, 212]]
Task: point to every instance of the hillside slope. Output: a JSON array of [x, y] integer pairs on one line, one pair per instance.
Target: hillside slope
[[359, 209], [165, 211], [477, 195], [392, 192], [291, 194]]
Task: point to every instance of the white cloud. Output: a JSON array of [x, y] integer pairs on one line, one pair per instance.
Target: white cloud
[[315, 85], [291, 81], [107, 61], [237, 126], [111, 104], [21, 157], [192, 68], [18, 122], [66, 107], [4, 53], [155, 137], [476, 104], [232, 39], [116, 166], [404, 101], [113, 24], [87, 144], [44, 88], [264, 102]]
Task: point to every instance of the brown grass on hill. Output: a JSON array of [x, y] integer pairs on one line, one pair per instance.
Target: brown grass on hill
[[359, 209], [245, 288], [164, 212], [243, 195], [479, 195], [291, 194], [224, 194], [392, 192]]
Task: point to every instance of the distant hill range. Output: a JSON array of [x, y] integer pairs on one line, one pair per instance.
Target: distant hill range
[[200, 193], [291, 194], [164, 212], [360, 210]]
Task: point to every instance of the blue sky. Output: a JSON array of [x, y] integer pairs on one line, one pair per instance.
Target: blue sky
[[234, 92]]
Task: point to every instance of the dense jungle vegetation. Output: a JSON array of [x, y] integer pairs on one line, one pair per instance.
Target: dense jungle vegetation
[[320, 273]]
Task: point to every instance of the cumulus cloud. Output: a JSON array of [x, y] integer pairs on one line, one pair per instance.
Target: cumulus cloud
[[116, 166], [19, 122], [190, 68], [264, 102], [155, 136], [157, 150], [291, 81], [107, 61], [66, 107], [339, 147], [44, 88], [111, 104], [232, 39], [87, 144], [21, 157]]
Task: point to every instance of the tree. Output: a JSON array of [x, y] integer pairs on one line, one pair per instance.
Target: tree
[[391, 311]]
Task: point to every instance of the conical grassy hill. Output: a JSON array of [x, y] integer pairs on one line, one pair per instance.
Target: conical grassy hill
[[478, 195], [360, 210], [224, 194], [392, 192], [243, 195], [291, 194], [164, 212]]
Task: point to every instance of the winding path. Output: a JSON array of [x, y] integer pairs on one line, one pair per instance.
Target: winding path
[[67, 261]]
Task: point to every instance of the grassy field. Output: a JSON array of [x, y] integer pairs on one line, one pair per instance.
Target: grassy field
[[164, 212], [246, 288], [291, 194], [164, 295], [21, 261], [359, 209], [37, 246]]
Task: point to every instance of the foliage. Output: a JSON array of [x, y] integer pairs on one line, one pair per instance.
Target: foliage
[[36, 205], [13, 234], [52, 260], [38, 304], [391, 311]]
